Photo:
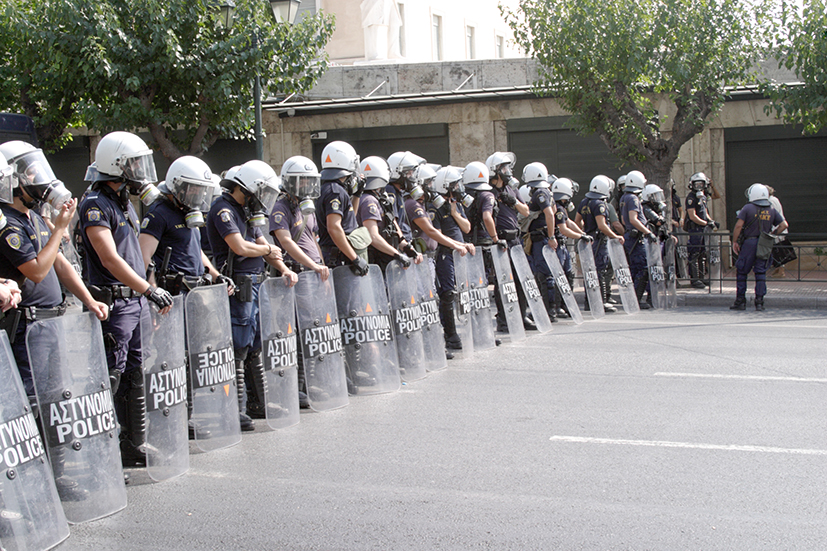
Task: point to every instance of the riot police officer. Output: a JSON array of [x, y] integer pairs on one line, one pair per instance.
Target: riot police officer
[[697, 218], [234, 227], [500, 166], [338, 229], [377, 213], [755, 218], [447, 213], [592, 216], [541, 229], [404, 183], [123, 165], [562, 191], [632, 214]]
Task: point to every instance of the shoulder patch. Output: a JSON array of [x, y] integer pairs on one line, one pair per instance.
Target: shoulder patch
[[13, 240], [278, 218], [144, 223], [559, 215], [93, 215], [335, 204], [372, 208], [225, 216]]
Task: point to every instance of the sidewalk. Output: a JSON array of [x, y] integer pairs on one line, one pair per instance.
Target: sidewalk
[[781, 293]]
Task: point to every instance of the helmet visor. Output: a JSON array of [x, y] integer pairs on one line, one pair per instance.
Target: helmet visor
[[656, 197], [267, 193], [303, 186], [6, 178], [32, 169], [140, 168], [193, 194]]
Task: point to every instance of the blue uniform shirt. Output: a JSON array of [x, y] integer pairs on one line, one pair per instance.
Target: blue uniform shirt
[[399, 212], [165, 222], [560, 217], [442, 220], [540, 200], [334, 199], [507, 216], [287, 215], [628, 203], [696, 200], [588, 210], [20, 241], [758, 219], [100, 208], [227, 217]]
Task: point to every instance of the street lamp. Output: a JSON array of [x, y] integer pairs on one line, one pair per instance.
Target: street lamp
[[225, 13], [285, 10]]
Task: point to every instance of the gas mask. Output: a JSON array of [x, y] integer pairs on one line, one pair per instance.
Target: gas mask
[[570, 206], [35, 177], [437, 200], [147, 192]]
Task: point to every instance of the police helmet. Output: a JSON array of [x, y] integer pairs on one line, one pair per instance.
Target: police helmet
[[403, 164], [446, 179], [260, 181], [635, 181], [300, 178], [759, 195], [6, 179], [31, 172], [376, 172], [339, 159], [501, 163], [698, 181], [652, 194], [475, 177], [189, 181], [599, 187], [562, 189], [536, 175]]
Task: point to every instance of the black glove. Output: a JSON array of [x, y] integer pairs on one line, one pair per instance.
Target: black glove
[[508, 200], [717, 225], [652, 237], [410, 251], [404, 260], [159, 297], [226, 281], [503, 244], [587, 238], [359, 266]]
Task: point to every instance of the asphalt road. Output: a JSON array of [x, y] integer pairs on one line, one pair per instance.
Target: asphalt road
[[688, 429]]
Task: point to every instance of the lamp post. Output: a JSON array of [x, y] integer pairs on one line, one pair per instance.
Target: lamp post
[[284, 11]]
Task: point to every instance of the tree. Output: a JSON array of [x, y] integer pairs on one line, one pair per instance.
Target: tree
[[166, 65], [804, 50], [613, 64]]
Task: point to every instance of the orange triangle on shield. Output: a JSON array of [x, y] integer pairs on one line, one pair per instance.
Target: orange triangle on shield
[[227, 390], [412, 300], [289, 328], [328, 318], [368, 309]]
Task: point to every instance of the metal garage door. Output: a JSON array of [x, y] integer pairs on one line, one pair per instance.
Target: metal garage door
[[795, 166]]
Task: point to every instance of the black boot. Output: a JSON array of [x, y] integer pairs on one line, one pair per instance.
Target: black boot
[[195, 430], [695, 273], [759, 304], [640, 288], [741, 304], [257, 392], [133, 424], [304, 403], [449, 324], [241, 391], [605, 282]]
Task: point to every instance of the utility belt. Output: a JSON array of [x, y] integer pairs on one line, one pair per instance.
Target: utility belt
[[539, 234], [244, 285], [174, 284], [107, 294], [508, 235], [11, 320]]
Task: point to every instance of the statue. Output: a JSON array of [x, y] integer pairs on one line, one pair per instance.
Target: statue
[[381, 23]]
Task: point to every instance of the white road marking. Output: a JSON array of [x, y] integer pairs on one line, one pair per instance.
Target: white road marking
[[741, 377], [685, 445]]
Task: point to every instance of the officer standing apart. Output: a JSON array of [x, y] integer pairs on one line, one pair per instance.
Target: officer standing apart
[[755, 218], [592, 216], [234, 226], [697, 218], [123, 166], [447, 213], [500, 166], [335, 210], [636, 231]]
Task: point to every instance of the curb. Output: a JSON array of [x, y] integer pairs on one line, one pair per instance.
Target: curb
[[771, 301]]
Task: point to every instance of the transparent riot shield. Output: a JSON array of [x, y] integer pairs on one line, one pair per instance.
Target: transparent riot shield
[[530, 289], [407, 321], [433, 336], [71, 380], [507, 288], [30, 513], [562, 284], [279, 353], [657, 276], [591, 281], [712, 241], [370, 352], [671, 276], [623, 275], [320, 339], [482, 322], [165, 387], [212, 367], [462, 310], [683, 256]]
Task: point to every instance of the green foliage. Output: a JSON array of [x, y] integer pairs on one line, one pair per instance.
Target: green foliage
[[611, 63], [803, 49], [164, 65]]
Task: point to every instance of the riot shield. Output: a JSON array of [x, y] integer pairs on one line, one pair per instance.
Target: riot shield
[[165, 387], [657, 276], [462, 310], [671, 276], [591, 281], [407, 321], [370, 352], [683, 256], [212, 367], [321, 342], [623, 275], [71, 380], [482, 323], [30, 513], [712, 241], [279, 353], [562, 284], [531, 291], [507, 288], [433, 339]]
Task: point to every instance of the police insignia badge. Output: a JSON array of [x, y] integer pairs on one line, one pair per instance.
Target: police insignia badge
[[335, 204], [373, 210], [225, 216], [13, 240], [277, 217], [93, 215], [144, 223]]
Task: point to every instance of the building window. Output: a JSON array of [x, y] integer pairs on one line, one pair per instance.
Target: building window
[[470, 42], [500, 47], [403, 49], [436, 36]]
